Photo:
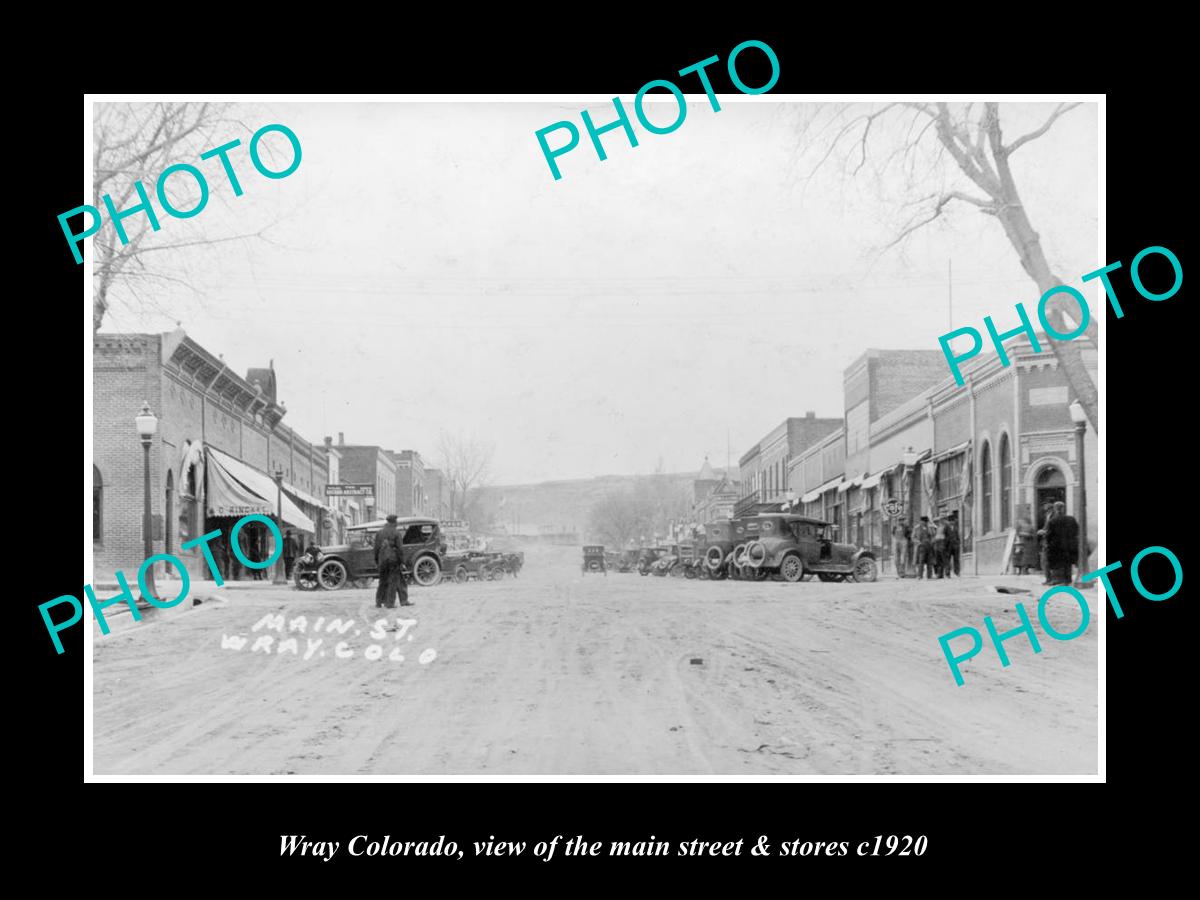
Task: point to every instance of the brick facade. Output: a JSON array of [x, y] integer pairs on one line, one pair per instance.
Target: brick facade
[[198, 401]]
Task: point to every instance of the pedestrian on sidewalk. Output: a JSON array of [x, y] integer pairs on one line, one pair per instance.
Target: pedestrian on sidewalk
[[1024, 546], [923, 540], [953, 546], [940, 556], [1062, 545], [900, 536]]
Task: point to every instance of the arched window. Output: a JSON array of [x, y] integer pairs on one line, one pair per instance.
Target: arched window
[[1005, 483], [97, 507], [985, 478]]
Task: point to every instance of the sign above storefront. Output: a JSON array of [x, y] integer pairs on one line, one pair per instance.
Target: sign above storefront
[[349, 490]]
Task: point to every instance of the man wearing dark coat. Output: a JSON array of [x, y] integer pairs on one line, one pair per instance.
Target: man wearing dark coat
[[1062, 545], [389, 558]]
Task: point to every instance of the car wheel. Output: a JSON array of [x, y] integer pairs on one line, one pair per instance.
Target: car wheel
[[792, 568], [426, 571], [497, 575], [460, 575], [865, 570], [332, 575], [305, 580]]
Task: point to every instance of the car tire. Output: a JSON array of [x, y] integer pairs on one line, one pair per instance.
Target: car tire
[[460, 575], [753, 548], [865, 570], [791, 569], [426, 570], [332, 575]]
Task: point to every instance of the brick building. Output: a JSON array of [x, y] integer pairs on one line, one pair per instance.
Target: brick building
[[993, 450], [370, 464], [764, 467], [411, 496], [219, 438]]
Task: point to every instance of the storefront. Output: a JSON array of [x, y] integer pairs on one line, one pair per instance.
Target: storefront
[[234, 489]]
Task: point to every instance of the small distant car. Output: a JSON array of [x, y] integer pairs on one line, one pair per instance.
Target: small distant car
[[423, 549], [792, 546], [593, 560], [468, 565]]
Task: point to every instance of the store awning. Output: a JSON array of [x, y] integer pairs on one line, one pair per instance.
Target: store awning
[[303, 497], [873, 481], [852, 483], [817, 492], [957, 448], [235, 489]]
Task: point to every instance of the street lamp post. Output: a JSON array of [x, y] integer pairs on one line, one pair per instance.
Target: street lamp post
[[280, 564], [1079, 417], [147, 426]]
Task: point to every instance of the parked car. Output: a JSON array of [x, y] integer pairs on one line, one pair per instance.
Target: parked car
[[628, 560], [792, 546], [649, 556], [423, 550], [718, 539], [593, 559]]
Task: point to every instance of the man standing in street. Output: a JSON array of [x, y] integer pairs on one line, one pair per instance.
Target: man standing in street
[[1062, 545], [389, 558]]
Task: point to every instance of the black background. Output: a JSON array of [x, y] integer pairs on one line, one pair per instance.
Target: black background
[[229, 833]]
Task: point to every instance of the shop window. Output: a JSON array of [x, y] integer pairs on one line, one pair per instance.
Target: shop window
[[985, 478], [1005, 484]]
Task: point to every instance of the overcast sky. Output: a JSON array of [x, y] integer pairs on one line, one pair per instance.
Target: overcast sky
[[424, 271]]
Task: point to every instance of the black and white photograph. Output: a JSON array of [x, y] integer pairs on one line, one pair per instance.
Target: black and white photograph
[[671, 436]]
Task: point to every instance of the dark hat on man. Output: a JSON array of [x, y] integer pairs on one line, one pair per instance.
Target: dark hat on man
[[392, 517]]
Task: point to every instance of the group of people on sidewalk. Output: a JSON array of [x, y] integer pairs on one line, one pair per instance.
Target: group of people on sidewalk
[[935, 546], [1056, 551]]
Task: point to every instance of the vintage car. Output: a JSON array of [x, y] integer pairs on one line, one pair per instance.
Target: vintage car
[[423, 551], [668, 563], [648, 557], [718, 540], [792, 546], [467, 565], [593, 559], [628, 560]]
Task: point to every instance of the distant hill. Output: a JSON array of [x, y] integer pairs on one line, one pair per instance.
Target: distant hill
[[561, 506]]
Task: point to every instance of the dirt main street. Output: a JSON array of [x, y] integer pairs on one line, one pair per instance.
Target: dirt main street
[[560, 673]]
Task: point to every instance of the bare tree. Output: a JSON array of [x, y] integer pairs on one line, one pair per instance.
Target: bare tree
[[466, 464], [975, 142], [620, 518], [135, 143]]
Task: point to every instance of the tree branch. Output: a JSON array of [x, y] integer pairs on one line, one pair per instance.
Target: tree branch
[[1062, 110]]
